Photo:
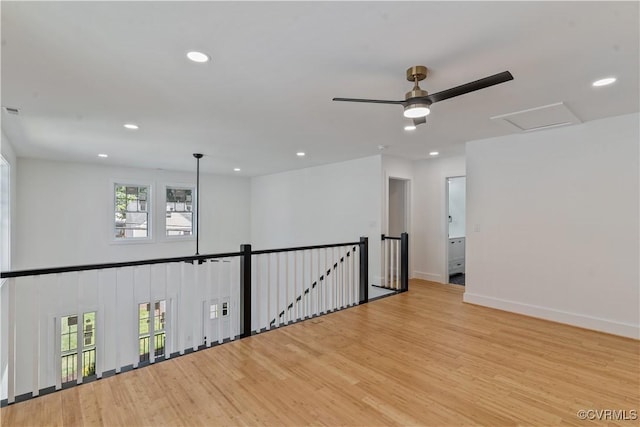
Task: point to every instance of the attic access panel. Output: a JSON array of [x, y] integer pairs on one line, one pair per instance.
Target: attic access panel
[[538, 118]]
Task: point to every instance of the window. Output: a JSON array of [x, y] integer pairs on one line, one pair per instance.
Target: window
[[151, 324], [225, 309], [179, 211], [69, 346], [213, 311], [132, 206]]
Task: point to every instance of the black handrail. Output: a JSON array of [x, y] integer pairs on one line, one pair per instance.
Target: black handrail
[[303, 248], [245, 260], [87, 267], [390, 238]]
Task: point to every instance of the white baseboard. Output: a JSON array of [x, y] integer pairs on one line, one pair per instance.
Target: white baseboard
[[428, 276], [588, 322]]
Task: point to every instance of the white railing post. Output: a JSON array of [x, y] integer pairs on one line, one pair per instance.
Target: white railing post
[[36, 337], [269, 291], [11, 369]]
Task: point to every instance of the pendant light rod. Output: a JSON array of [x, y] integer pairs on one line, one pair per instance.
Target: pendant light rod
[[198, 156]]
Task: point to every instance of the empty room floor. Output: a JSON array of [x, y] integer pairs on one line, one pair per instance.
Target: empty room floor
[[418, 358]]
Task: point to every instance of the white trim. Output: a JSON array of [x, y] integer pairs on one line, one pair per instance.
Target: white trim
[[428, 276], [162, 210], [5, 188], [150, 212], [588, 322], [445, 217]]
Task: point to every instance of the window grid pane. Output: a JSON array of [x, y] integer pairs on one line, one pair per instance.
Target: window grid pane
[[69, 346], [131, 211], [179, 211]]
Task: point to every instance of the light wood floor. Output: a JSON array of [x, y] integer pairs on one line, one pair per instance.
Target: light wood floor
[[419, 358]]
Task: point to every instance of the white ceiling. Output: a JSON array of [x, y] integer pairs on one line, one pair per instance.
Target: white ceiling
[[79, 70]]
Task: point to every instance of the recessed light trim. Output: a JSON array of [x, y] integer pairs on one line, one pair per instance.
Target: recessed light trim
[[410, 127], [301, 154], [236, 169], [199, 57], [104, 156], [131, 126], [434, 153], [604, 82]]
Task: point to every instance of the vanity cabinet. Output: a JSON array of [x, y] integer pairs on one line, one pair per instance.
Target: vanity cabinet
[[456, 255]]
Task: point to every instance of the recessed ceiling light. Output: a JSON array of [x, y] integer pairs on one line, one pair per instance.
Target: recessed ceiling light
[[604, 82], [131, 126], [103, 155], [433, 153], [196, 56], [236, 169], [410, 127], [300, 154]]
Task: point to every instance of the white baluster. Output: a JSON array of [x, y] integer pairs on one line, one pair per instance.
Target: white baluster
[[11, 369], [152, 321], [268, 291], [258, 300], [168, 315], [35, 301], [219, 297], [181, 343], [278, 318], [287, 315], [296, 303]]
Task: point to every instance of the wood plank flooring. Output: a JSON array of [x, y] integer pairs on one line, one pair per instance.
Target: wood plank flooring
[[418, 358]]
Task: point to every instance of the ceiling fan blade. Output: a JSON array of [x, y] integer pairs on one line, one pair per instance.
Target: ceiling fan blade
[[419, 121], [505, 76], [373, 101]]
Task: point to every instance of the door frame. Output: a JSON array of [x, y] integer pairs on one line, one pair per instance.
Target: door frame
[[407, 210], [445, 217]]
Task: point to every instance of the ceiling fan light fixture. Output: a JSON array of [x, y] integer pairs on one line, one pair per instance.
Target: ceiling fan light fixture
[[410, 127], [414, 111]]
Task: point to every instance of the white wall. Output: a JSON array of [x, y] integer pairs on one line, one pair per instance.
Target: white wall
[[66, 214], [552, 220], [430, 225], [7, 151], [333, 203]]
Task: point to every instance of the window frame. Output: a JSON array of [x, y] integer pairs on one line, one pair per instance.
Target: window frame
[[80, 349], [149, 238], [152, 332], [5, 215], [194, 214]]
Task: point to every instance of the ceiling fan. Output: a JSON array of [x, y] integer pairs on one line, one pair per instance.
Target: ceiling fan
[[417, 101]]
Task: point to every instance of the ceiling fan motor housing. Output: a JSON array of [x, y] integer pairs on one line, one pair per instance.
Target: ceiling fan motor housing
[[417, 93]]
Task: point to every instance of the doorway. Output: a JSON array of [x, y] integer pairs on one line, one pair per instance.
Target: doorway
[[398, 197], [456, 217]]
